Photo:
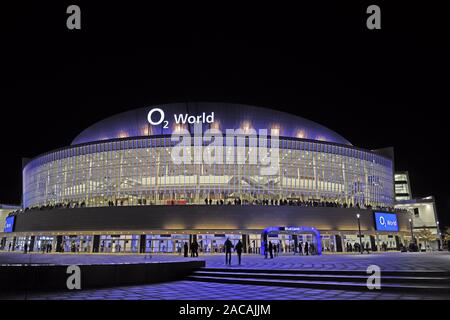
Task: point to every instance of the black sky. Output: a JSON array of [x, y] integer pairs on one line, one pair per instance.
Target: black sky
[[378, 88]]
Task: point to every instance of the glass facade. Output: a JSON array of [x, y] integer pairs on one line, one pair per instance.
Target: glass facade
[[208, 243], [402, 186], [140, 171]]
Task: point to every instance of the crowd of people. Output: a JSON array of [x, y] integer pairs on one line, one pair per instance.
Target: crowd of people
[[235, 201], [356, 247], [228, 246], [366, 247], [272, 250], [66, 205], [296, 202]]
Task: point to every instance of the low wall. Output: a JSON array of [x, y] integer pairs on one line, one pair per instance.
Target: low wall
[[18, 278]]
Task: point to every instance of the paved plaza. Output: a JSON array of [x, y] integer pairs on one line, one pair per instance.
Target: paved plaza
[[189, 290], [437, 261]]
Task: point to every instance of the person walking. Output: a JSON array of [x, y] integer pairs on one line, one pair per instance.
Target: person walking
[[266, 250], [25, 248], [300, 248], [367, 247], [228, 246], [271, 249], [238, 249], [186, 249], [194, 249], [306, 248]]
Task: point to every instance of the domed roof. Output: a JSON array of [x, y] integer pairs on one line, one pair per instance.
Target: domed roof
[[134, 123]]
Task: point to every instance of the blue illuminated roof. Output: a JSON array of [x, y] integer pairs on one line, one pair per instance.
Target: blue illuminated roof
[[134, 123]]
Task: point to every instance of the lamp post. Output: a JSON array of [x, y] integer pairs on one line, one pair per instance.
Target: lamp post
[[438, 231], [412, 233], [359, 231]]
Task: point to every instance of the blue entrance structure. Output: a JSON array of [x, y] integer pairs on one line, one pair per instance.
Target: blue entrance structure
[[294, 230]]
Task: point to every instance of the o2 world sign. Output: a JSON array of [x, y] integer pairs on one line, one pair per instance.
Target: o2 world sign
[[386, 221], [156, 116]]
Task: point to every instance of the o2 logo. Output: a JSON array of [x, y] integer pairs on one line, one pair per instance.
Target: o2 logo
[[382, 221], [161, 118]]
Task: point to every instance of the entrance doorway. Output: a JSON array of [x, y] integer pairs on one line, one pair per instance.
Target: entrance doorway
[[293, 239]]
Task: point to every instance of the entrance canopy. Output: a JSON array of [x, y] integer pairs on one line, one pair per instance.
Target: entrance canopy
[[292, 230]]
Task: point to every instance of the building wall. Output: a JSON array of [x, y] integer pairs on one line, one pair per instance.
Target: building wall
[[402, 186], [197, 217], [426, 216]]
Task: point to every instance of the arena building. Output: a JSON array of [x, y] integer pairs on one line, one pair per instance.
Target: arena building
[[117, 188]]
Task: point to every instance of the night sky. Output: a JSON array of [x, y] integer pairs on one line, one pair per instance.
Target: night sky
[[378, 88]]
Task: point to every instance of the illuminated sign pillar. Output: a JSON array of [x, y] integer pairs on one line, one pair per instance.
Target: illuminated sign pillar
[[294, 230]]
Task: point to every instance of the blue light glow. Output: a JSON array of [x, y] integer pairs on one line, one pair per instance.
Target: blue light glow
[[9, 225], [293, 229], [386, 221]]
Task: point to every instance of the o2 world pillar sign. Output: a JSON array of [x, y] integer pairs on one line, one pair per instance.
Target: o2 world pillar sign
[[237, 146]]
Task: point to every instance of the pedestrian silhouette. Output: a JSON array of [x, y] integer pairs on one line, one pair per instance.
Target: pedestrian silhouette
[[186, 249], [194, 249], [228, 246], [271, 249], [238, 249]]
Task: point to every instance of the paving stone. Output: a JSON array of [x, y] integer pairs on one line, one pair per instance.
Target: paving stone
[[181, 290]]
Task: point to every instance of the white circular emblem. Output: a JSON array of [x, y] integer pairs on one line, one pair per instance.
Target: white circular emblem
[[161, 115]]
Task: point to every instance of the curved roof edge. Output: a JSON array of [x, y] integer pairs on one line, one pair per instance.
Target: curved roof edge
[[134, 123]]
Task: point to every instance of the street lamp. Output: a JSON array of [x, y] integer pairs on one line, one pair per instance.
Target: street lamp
[[438, 231], [412, 233], [359, 231]]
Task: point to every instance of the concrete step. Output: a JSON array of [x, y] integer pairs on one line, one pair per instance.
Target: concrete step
[[324, 285], [322, 277], [399, 273]]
